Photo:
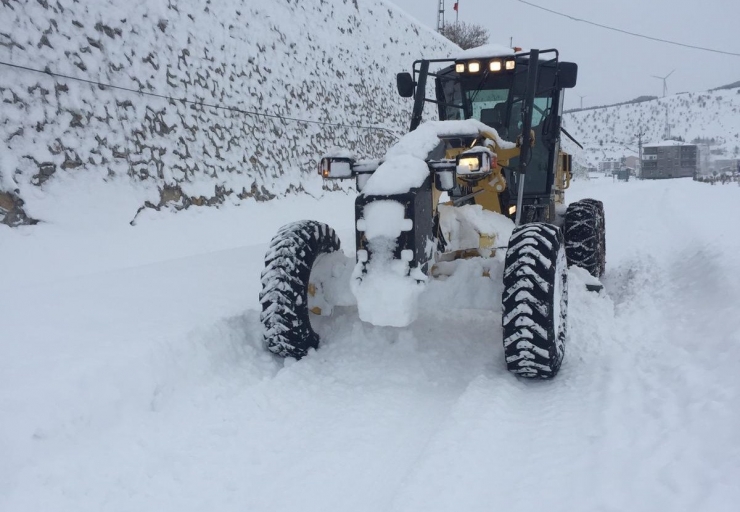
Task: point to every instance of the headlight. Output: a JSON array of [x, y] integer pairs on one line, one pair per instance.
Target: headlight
[[475, 164], [495, 65], [471, 162], [459, 68], [474, 67], [510, 64]]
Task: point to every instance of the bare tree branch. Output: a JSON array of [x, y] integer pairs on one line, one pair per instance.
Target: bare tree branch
[[466, 35]]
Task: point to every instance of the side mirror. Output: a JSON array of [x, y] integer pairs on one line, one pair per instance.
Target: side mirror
[[405, 85], [567, 75], [335, 168]]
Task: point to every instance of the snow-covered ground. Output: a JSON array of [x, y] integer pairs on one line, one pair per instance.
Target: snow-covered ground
[[132, 376]]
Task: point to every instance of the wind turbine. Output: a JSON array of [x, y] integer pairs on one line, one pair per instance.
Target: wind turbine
[[664, 78], [582, 99]]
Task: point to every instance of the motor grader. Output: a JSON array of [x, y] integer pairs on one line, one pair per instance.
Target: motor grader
[[488, 176]]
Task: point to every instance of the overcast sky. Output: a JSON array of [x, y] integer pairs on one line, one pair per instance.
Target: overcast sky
[[613, 67]]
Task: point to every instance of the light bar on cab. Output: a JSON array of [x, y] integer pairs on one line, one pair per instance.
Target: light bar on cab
[[494, 66]]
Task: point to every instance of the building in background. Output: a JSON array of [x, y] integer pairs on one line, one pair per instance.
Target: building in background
[[633, 162], [612, 166], [608, 167], [725, 166], [669, 159]]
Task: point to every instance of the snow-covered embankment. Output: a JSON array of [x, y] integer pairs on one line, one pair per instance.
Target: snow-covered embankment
[[106, 152]]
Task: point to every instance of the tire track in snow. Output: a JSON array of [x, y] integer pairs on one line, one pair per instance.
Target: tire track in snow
[[510, 440], [638, 418], [679, 418], [676, 347]]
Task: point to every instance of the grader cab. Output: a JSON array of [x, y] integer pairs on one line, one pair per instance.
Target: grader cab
[[520, 95]]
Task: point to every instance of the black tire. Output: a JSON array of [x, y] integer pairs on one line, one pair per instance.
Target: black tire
[[535, 301], [285, 281], [602, 231], [585, 236]]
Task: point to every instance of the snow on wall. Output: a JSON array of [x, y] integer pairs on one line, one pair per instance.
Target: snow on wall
[[327, 60]]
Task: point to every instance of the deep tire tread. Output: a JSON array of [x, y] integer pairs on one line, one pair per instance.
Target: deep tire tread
[[585, 236], [532, 348], [285, 280]]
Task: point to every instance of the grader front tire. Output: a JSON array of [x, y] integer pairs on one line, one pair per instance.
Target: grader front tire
[[285, 286], [535, 301]]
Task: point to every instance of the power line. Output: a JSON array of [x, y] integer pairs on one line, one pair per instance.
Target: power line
[[635, 34], [191, 102]]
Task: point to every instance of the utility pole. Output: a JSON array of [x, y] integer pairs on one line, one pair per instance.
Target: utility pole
[[667, 125], [639, 147], [441, 16]]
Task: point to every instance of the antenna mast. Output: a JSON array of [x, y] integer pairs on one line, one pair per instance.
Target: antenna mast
[[441, 16]]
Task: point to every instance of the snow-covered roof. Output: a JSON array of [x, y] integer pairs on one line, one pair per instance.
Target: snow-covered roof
[[486, 51]]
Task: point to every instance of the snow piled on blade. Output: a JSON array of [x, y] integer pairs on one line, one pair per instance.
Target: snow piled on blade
[[462, 226], [405, 165]]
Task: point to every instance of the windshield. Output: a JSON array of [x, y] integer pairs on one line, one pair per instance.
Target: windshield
[[496, 100], [489, 107], [487, 98]]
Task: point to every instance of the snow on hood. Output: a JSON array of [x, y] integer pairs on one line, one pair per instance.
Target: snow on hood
[[485, 51], [405, 164], [397, 175], [426, 137]]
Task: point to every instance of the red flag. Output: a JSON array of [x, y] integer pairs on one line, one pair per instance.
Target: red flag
[[455, 7]]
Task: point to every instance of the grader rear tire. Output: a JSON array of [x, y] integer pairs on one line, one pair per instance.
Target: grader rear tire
[[599, 206], [585, 236]]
